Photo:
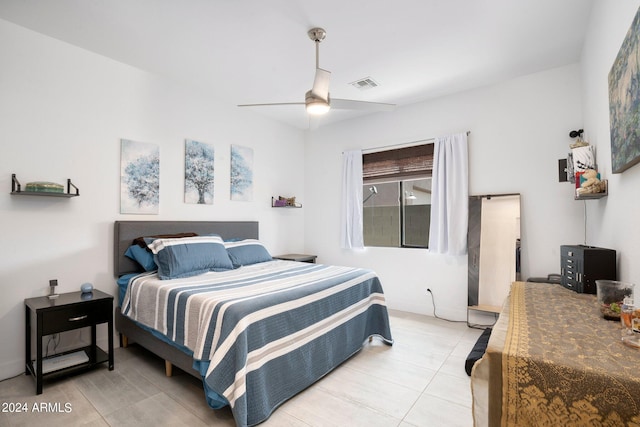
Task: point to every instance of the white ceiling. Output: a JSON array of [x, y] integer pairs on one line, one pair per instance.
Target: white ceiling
[[255, 51]]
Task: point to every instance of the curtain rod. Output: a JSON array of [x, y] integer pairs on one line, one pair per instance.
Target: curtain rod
[[402, 144]]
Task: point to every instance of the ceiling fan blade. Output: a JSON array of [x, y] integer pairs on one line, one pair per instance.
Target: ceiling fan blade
[[270, 104], [321, 84], [350, 104]]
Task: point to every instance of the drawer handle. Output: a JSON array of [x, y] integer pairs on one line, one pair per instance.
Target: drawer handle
[[570, 253], [75, 319]]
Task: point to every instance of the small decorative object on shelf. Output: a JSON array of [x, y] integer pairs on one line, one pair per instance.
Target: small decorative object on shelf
[[285, 202], [598, 195], [45, 187], [41, 188], [589, 185]]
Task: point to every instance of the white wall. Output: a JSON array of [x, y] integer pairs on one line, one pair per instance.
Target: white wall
[[63, 111], [613, 222], [519, 130]]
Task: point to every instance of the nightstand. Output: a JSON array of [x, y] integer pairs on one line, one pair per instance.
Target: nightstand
[[69, 311], [297, 257]]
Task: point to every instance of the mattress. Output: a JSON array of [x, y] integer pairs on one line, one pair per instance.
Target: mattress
[[262, 333]]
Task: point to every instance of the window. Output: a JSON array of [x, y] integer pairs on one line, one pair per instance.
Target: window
[[397, 197]]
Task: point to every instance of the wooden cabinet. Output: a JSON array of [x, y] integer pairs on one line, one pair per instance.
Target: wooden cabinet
[[67, 312], [582, 265]]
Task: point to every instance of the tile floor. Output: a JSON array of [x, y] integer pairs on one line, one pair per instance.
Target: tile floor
[[420, 381]]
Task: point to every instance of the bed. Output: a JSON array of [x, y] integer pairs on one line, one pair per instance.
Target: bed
[[256, 333]]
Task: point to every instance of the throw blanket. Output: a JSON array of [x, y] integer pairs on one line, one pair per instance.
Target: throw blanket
[[563, 364], [262, 333]]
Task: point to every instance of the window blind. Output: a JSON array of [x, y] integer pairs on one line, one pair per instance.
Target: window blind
[[400, 163]]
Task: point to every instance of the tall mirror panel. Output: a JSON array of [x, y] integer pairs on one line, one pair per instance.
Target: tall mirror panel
[[494, 249]]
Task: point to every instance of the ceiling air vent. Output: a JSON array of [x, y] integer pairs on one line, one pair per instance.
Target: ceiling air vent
[[365, 83]]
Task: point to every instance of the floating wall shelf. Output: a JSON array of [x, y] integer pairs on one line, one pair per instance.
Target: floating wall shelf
[[592, 196], [16, 190]]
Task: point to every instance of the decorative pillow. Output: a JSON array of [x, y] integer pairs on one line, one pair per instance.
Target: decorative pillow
[[142, 256], [189, 256], [247, 252], [142, 241]]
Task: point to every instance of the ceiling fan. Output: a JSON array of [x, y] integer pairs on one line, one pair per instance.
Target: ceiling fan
[[317, 100]]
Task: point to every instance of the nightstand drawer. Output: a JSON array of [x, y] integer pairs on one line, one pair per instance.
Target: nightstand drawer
[[73, 317]]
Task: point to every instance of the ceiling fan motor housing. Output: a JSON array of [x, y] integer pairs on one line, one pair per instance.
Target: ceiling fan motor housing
[[317, 34]]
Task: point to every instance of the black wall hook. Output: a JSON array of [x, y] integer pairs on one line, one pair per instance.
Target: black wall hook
[[576, 133]]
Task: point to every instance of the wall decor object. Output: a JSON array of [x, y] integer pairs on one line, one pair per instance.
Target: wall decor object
[[624, 101], [241, 173], [198, 172], [139, 177]]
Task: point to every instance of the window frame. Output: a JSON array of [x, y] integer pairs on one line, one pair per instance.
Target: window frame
[[399, 165]]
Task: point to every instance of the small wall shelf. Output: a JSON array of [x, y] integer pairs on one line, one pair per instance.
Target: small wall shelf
[[16, 190], [592, 196], [273, 205]]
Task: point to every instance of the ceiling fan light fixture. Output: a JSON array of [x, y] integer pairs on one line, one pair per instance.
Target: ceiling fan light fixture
[[316, 106]]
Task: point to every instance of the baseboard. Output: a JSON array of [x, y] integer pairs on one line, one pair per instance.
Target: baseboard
[[11, 369]]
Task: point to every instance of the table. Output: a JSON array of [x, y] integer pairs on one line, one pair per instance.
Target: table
[[69, 311], [553, 360], [297, 257]]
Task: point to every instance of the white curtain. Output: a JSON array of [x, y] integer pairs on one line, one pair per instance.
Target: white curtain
[[449, 196], [351, 215]]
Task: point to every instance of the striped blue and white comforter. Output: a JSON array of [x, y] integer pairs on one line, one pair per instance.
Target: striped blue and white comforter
[[262, 333]]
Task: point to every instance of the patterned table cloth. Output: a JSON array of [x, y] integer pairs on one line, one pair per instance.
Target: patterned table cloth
[[559, 363]]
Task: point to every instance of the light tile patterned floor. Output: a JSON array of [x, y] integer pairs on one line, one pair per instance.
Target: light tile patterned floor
[[420, 381]]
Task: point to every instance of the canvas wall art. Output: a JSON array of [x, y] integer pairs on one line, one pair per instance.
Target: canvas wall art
[[198, 172], [241, 173], [139, 177], [624, 101]]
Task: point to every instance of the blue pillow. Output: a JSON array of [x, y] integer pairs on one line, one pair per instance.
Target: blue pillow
[[142, 257], [247, 252], [189, 256]]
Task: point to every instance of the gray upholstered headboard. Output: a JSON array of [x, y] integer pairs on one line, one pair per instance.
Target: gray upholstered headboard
[[125, 231]]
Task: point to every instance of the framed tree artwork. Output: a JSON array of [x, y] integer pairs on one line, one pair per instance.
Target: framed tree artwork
[[241, 173], [139, 177], [198, 172], [624, 101]]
